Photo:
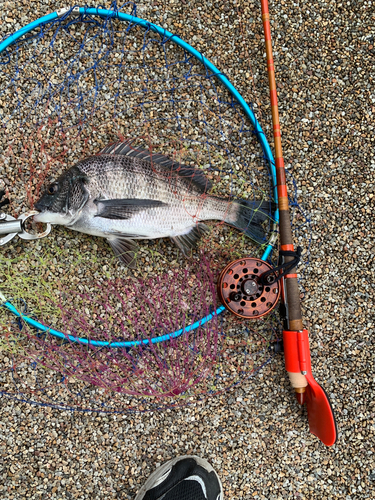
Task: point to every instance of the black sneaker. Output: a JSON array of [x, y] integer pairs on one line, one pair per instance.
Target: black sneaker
[[183, 478]]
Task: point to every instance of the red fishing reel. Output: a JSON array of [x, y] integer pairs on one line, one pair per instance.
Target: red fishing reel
[[242, 291]]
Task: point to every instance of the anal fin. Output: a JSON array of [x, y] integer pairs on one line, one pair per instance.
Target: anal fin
[[186, 242]]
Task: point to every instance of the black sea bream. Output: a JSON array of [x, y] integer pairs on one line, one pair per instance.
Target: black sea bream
[[125, 193]]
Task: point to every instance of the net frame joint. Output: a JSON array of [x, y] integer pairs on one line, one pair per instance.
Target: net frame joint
[[61, 12]]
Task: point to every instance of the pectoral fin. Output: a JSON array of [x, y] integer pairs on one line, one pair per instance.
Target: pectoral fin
[[186, 242], [125, 249], [124, 208]]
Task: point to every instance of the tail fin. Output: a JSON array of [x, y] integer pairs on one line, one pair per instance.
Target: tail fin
[[248, 216]]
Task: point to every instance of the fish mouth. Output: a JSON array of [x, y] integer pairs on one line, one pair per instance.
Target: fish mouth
[[41, 216], [52, 218]]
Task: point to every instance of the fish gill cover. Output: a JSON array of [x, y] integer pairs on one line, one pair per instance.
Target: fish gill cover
[[69, 88]]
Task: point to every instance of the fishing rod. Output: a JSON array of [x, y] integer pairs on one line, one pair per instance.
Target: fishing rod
[[295, 337]]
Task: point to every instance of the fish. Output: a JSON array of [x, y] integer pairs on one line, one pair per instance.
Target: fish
[[126, 192]]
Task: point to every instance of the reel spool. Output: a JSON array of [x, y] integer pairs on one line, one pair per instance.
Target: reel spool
[[241, 291]]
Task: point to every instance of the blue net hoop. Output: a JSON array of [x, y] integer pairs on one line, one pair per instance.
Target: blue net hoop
[[86, 14]]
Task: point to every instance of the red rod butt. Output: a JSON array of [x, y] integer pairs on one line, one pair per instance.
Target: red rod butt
[[301, 395], [319, 410]]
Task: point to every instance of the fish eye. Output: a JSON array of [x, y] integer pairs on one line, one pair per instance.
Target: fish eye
[[53, 188]]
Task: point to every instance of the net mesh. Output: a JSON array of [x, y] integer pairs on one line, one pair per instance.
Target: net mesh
[[67, 89]]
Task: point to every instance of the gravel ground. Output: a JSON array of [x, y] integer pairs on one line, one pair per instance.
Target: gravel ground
[[256, 436]]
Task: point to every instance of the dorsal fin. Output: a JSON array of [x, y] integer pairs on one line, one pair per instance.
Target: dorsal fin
[[192, 174]]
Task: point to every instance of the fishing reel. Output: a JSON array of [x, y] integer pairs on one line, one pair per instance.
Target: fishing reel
[[249, 288]]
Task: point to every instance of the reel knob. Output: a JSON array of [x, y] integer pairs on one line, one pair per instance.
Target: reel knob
[[242, 292]]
